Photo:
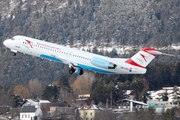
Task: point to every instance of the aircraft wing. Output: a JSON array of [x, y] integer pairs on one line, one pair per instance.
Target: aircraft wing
[[58, 59], [63, 59], [68, 61], [51, 57]]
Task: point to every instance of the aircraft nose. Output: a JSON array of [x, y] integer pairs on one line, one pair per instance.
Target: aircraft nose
[[6, 42]]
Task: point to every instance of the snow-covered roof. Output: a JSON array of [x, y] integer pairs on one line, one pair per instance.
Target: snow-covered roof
[[90, 107], [28, 109], [44, 101], [128, 92], [94, 106], [154, 93], [31, 102]]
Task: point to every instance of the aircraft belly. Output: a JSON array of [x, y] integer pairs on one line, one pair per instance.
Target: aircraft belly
[[26, 51], [96, 69]]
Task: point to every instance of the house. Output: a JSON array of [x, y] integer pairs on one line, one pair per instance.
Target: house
[[163, 99], [82, 98], [30, 113], [2, 118], [170, 91], [44, 105], [88, 112], [129, 94], [38, 103], [61, 111], [160, 106]]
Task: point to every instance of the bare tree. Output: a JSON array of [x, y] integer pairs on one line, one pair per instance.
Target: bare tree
[[35, 88], [21, 91], [83, 83]]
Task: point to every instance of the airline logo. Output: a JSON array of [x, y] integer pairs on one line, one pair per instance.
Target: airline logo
[[144, 57], [130, 70], [30, 43]]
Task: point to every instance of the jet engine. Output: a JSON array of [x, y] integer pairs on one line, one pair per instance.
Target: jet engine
[[99, 62], [76, 69]]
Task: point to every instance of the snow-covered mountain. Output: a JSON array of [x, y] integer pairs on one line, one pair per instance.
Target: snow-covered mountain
[[107, 25], [7, 6]]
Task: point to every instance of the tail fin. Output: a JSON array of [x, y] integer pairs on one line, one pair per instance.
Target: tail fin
[[143, 57]]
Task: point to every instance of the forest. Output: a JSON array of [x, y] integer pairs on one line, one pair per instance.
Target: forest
[[138, 23]]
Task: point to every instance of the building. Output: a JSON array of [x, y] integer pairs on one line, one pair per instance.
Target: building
[[163, 99], [84, 96], [30, 113], [160, 106], [129, 94], [88, 112], [61, 111], [3, 118], [38, 103], [170, 91], [44, 105]]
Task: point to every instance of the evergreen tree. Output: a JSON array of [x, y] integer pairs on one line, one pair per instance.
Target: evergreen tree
[[64, 88], [17, 100], [99, 93], [137, 85], [64, 84], [51, 93]]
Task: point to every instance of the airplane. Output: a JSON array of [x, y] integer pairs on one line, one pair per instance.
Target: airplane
[[78, 60]]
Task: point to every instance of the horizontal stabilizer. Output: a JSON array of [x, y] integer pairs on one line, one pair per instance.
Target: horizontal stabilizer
[[160, 53], [168, 54]]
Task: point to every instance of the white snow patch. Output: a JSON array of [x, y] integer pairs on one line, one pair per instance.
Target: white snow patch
[[81, 3], [31, 102], [24, 6], [175, 46], [46, 1], [13, 4], [34, 3], [63, 5]]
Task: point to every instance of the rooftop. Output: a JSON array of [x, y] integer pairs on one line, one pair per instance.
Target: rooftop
[[28, 109]]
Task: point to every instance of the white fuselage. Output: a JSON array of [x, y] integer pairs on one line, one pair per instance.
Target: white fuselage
[[70, 56]]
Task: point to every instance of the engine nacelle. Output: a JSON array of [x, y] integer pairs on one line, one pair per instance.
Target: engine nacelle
[[77, 70], [103, 63]]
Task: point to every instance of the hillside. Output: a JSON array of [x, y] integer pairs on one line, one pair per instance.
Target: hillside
[[146, 23], [94, 25]]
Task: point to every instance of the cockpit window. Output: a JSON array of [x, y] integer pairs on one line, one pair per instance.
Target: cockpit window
[[12, 38]]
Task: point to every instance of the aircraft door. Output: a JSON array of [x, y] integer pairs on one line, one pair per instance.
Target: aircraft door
[[18, 43]]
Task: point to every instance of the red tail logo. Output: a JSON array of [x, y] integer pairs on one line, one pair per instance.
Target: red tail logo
[[144, 57]]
